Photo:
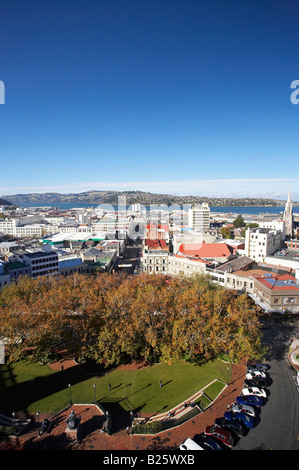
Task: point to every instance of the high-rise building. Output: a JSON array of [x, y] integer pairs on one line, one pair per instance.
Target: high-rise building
[[288, 217], [199, 217]]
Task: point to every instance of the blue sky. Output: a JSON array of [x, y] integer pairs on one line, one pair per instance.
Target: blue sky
[[180, 97]]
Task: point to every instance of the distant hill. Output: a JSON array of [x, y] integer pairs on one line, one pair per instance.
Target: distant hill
[[134, 197], [3, 202]]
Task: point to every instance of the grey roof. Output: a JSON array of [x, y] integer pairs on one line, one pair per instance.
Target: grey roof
[[235, 264]]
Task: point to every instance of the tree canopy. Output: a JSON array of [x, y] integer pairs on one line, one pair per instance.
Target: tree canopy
[[115, 318], [239, 222]]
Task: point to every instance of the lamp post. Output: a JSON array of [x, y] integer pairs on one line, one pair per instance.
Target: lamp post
[[132, 418], [37, 414], [94, 393], [70, 387], [14, 421]]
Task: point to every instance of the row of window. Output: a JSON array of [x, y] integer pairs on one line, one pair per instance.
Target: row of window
[[44, 260], [44, 267]]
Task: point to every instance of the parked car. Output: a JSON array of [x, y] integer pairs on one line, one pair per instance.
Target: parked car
[[259, 392], [257, 382], [243, 417], [207, 442], [189, 444], [250, 400], [243, 409], [232, 426], [219, 433], [254, 374], [257, 366]]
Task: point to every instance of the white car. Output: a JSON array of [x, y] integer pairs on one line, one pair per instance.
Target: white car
[[259, 392], [189, 444], [244, 409], [255, 374]]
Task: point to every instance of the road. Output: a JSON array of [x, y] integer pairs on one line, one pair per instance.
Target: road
[[277, 426], [131, 257]]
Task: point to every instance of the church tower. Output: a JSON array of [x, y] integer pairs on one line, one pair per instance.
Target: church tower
[[288, 217]]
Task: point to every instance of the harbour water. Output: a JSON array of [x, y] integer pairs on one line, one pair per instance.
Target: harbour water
[[244, 210]]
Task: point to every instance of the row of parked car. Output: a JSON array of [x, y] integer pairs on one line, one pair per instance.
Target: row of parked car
[[239, 418]]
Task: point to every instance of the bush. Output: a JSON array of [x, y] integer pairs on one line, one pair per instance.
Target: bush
[[7, 430], [151, 427]]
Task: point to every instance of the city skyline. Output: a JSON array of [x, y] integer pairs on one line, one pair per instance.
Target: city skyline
[[182, 98]]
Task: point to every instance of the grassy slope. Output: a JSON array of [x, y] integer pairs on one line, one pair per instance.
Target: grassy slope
[[27, 387]]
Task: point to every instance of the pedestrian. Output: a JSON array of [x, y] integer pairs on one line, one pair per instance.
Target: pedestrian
[[128, 430], [227, 406], [109, 387], [160, 383]]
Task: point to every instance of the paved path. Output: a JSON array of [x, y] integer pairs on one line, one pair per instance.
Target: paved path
[[92, 420]]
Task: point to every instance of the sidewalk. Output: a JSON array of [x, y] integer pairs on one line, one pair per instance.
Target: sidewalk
[[92, 420]]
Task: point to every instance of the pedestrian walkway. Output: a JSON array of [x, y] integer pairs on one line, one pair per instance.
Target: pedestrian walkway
[[92, 419]]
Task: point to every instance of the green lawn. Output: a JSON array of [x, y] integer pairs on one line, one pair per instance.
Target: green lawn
[[29, 387]]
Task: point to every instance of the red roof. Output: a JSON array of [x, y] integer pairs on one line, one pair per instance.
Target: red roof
[[156, 244], [280, 282], [206, 250]]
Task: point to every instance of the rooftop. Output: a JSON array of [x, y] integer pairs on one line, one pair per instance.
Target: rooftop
[[280, 282], [39, 254]]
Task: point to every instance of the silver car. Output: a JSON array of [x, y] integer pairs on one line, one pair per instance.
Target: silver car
[[244, 409]]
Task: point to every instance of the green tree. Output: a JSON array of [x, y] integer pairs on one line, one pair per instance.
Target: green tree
[[239, 222], [225, 232]]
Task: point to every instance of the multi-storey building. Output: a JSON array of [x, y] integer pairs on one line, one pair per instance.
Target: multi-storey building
[[155, 261], [199, 217], [184, 266], [260, 243], [42, 263]]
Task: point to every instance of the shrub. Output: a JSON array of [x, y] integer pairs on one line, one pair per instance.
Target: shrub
[[151, 427]]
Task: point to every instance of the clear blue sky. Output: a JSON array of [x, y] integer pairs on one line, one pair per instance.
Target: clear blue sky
[[184, 97]]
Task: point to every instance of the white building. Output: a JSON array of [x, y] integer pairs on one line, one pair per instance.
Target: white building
[[33, 230], [184, 266], [19, 228], [276, 224], [199, 217], [155, 261], [260, 243]]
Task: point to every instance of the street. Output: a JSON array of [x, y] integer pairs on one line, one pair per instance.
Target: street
[[277, 425]]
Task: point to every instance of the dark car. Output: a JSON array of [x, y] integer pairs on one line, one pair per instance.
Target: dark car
[[257, 366], [252, 400], [256, 382], [219, 433], [232, 426], [207, 442], [243, 417]]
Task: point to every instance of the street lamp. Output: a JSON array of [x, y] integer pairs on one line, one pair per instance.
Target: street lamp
[[227, 380], [14, 421], [37, 414], [94, 393], [70, 387], [131, 414]]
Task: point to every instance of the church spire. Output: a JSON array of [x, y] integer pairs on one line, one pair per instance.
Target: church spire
[[289, 196], [288, 216]]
